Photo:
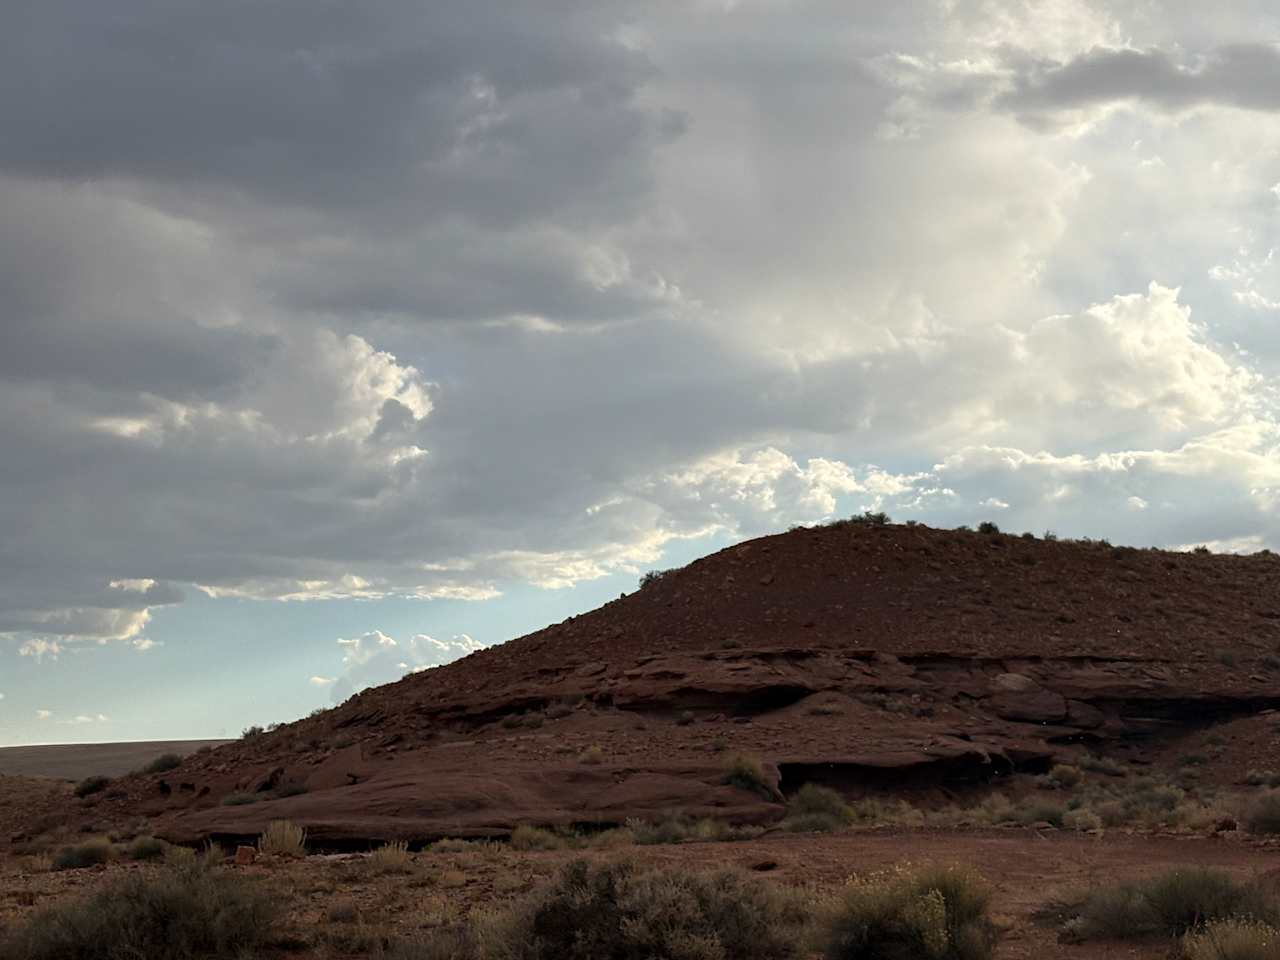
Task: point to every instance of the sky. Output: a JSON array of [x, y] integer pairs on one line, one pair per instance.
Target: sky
[[339, 340]]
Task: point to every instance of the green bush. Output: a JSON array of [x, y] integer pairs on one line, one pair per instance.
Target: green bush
[[180, 914], [82, 855], [816, 809], [617, 911], [90, 785], [931, 914], [987, 527], [1169, 904], [1263, 816]]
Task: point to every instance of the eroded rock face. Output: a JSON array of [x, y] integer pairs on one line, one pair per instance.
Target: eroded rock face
[[891, 658]]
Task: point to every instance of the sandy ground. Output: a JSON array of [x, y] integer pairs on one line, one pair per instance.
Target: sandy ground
[[336, 907], [79, 760]]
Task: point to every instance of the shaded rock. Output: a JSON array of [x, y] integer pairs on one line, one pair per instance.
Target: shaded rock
[[1083, 715]]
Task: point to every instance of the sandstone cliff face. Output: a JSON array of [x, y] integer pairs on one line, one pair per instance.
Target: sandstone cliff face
[[875, 658]]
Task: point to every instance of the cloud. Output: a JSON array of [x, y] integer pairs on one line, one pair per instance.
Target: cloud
[[522, 296], [39, 648], [375, 658], [43, 714], [1243, 75]]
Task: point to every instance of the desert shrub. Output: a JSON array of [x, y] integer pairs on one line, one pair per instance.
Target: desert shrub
[[592, 755], [1169, 904], [678, 828], [450, 943], [293, 788], [1261, 778], [91, 785], [558, 711], [450, 845], [526, 837], [179, 856], [162, 763], [391, 857], [652, 576], [1082, 819], [825, 710], [251, 732], [1263, 816], [1063, 776], [876, 518], [344, 911], [181, 914], [82, 855], [986, 526], [685, 718], [147, 848], [618, 911], [511, 721], [283, 838], [935, 913], [612, 838], [1040, 812], [1193, 760], [1238, 939], [816, 809], [239, 799], [1104, 765], [747, 773]]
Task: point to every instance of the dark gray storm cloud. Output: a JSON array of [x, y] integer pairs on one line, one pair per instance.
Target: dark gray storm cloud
[[454, 107], [1245, 75], [307, 298]]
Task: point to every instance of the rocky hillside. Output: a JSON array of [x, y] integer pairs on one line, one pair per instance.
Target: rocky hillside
[[874, 657]]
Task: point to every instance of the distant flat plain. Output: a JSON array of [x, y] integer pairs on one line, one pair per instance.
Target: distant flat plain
[[74, 761]]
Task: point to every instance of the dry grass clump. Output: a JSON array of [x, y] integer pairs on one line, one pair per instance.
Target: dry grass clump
[[592, 755], [933, 913], [1169, 904], [393, 857], [816, 809], [181, 914], [283, 838], [451, 845], [1232, 940]]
